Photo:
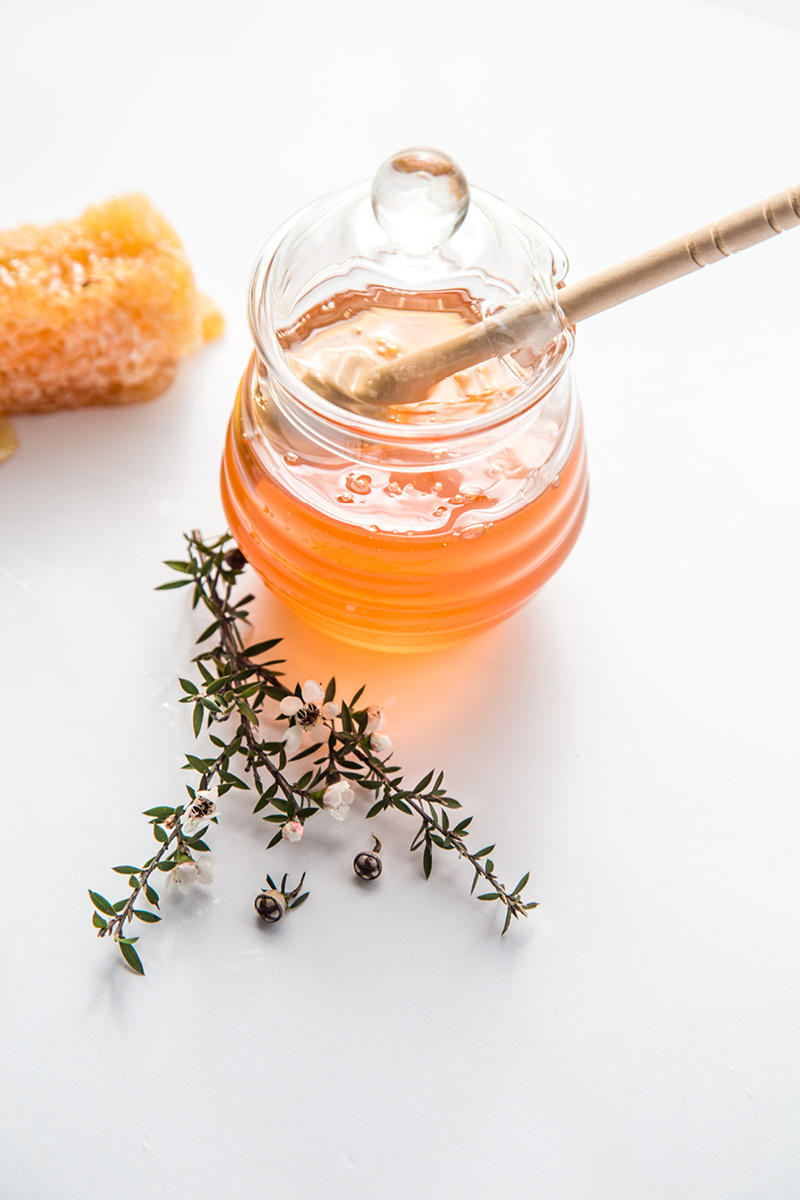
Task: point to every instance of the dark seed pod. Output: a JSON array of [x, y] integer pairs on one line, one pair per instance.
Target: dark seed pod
[[270, 906], [235, 559], [368, 865]]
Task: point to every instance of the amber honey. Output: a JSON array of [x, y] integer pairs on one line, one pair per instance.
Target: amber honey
[[409, 549]]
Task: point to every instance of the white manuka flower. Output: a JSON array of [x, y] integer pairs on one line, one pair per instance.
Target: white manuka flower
[[292, 831], [338, 798], [307, 713], [375, 718], [199, 811], [194, 870], [380, 744]]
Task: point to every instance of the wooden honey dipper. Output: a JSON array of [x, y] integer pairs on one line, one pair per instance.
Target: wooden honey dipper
[[366, 388]]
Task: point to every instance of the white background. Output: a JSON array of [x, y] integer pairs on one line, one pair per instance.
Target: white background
[[630, 737]]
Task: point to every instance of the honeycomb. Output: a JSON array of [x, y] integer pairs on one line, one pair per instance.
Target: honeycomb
[[96, 311]]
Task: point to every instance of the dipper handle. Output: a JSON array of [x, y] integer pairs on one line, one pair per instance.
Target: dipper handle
[[536, 322], [707, 245]]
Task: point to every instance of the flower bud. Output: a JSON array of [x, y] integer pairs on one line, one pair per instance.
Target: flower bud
[[270, 905]]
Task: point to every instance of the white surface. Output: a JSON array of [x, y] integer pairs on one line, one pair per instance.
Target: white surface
[[631, 737], [786, 12]]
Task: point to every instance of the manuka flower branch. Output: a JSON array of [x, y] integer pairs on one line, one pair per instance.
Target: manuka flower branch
[[343, 741]]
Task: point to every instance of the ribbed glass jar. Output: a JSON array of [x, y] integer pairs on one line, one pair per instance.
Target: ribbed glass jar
[[411, 527], [405, 547]]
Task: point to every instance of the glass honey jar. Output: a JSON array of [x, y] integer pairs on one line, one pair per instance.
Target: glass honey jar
[[420, 522]]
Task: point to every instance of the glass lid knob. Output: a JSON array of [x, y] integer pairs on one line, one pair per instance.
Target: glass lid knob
[[419, 197]]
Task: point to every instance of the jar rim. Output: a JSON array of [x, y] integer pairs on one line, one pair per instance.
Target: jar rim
[[273, 357]]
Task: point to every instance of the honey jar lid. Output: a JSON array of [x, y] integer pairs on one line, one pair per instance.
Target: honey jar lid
[[416, 236]]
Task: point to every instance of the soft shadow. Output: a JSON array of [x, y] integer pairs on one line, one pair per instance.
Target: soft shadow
[[451, 680]]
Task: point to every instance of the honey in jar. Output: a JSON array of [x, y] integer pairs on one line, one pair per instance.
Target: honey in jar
[[429, 519]]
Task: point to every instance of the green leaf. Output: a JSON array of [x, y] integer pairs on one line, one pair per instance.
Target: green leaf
[[189, 687], [159, 834], [125, 870], [507, 922], [152, 894], [305, 753], [98, 921], [330, 691], [419, 838], [235, 781], [207, 632], [423, 783], [402, 806], [357, 696], [245, 708], [300, 900], [173, 583], [148, 917], [489, 896], [251, 690], [131, 957], [274, 841], [197, 843], [175, 565], [197, 719], [521, 884], [159, 813], [102, 904], [260, 648], [427, 860], [376, 808]]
